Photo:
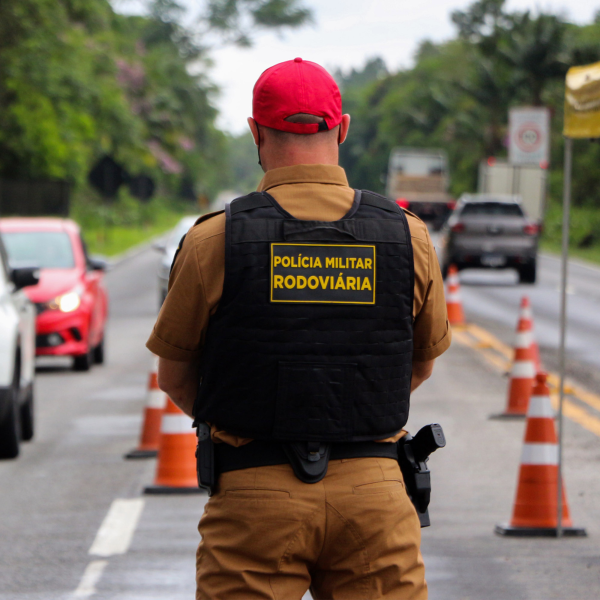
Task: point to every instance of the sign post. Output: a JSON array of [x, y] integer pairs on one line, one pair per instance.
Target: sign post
[[582, 121]]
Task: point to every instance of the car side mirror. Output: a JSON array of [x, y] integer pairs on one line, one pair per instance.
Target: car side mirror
[[25, 277], [97, 264], [160, 247]]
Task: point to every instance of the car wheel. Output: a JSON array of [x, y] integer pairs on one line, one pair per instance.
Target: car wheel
[[83, 362], [99, 352], [528, 273], [10, 428], [27, 416]]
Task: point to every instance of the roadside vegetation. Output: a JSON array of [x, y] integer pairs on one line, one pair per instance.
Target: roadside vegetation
[[79, 81], [110, 229], [457, 97], [585, 231]]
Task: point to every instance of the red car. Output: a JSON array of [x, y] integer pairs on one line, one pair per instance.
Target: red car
[[71, 302]]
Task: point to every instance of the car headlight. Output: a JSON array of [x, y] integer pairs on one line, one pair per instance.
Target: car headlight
[[66, 302], [69, 302]]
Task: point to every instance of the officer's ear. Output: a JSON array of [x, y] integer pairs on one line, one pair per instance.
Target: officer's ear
[[254, 129], [344, 126]]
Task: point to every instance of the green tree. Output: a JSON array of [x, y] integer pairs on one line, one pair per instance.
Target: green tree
[[458, 94], [78, 80]]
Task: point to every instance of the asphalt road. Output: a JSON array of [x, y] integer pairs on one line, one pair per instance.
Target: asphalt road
[[56, 496], [491, 298]]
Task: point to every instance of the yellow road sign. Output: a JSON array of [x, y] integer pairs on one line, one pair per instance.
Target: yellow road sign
[[582, 102]]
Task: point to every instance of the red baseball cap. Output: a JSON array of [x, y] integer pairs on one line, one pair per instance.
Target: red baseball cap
[[292, 87]]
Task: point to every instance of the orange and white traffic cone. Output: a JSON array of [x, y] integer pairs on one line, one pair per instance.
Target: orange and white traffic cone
[[535, 511], [526, 315], [155, 405], [453, 299], [176, 466], [522, 374]]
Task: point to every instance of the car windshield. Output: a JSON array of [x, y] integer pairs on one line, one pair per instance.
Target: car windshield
[[43, 249], [503, 209]]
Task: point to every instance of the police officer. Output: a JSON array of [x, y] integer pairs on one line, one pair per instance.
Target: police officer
[[297, 323]]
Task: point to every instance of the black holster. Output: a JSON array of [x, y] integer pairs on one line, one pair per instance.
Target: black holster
[[205, 459], [309, 460], [413, 454]]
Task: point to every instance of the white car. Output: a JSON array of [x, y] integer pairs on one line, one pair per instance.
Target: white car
[[168, 249], [17, 356]]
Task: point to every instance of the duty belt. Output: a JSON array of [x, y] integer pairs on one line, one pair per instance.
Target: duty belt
[[300, 455], [309, 460]]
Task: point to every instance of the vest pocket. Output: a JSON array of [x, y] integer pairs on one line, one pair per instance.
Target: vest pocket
[[314, 401]]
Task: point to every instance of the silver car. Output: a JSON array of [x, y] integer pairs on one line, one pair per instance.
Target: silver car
[[17, 356], [490, 231], [168, 247]]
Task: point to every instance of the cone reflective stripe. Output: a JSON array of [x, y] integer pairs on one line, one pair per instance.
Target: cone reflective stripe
[[535, 509], [176, 466], [539, 454], [173, 424], [155, 405], [522, 373], [453, 299], [526, 315]]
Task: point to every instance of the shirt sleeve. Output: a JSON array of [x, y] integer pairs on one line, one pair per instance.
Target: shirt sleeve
[[175, 336], [431, 331]]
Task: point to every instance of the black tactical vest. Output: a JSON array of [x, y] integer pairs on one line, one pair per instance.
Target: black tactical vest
[[312, 340]]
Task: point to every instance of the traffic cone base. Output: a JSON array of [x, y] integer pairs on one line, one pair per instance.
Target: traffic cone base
[[148, 447], [535, 510], [519, 389], [133, 454], [165, 489], [510, 531], [150, 433], [176, 466]]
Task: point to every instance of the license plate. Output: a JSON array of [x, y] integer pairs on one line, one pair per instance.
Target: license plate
[[493, 260]]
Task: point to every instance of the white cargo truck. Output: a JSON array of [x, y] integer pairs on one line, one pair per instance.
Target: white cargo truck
[[527, 182]]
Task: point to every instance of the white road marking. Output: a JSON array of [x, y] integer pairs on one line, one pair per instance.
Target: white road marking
[[116, 531], [570, 290], [91, 577]]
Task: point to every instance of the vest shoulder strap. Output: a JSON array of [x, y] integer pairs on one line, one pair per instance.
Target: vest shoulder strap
[[379, 201], [253, 200]]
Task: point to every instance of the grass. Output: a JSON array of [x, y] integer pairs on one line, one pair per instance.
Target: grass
[[112, 228], [590, 254], [114, 240], [584, 232]]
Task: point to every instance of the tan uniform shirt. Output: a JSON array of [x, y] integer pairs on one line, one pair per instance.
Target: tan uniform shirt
[[308, 192]]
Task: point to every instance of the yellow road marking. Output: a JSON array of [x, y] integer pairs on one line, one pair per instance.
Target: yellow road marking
[[485, 337], [578, 414], [483, 341]]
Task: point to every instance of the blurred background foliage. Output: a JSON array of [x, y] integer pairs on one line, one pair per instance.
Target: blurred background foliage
[[78, 80], [458, 94]]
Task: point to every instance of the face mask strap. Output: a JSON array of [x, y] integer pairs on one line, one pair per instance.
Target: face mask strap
[[258, 145]]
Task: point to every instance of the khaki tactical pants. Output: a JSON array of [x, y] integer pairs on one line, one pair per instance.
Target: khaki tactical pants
[[354, 535]]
